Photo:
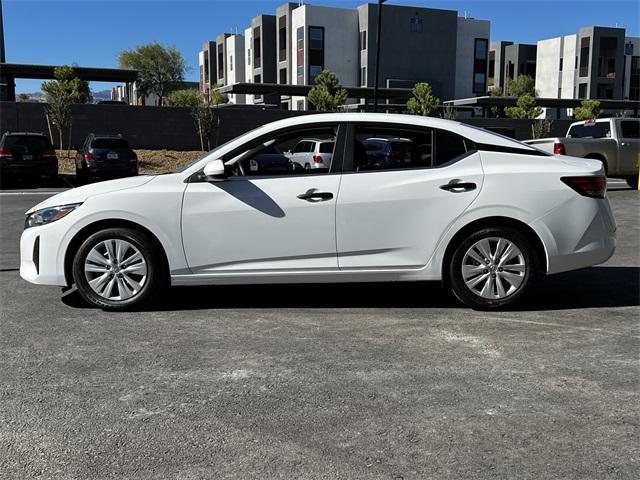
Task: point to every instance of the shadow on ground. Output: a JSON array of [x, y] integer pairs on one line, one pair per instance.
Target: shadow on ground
[[595, 287]]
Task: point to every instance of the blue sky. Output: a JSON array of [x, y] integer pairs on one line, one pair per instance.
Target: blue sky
[[92, 33]]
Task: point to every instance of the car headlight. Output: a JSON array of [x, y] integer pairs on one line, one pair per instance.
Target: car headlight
[[49, 215]]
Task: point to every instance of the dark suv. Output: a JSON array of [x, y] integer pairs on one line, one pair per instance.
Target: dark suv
[[27, 155], [105, 156]]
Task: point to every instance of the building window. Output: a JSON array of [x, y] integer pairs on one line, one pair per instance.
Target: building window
[[282, 38], [257, 79], [316, 53], [480, 65], [256, 48], [585, 50], [300, 105], [248, 56], [314, 71], [316, 38], [363, 76], [283, 76], [561, 59], [300, 55], [560, 92], [363, 40], [231, 63], [582, 90], [220, 61], [415, 24]]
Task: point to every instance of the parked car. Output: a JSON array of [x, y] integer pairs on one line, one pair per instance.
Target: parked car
[[613, 141], [105, 156], [485, 215], [269, 161], [388, 152], [312, 153], [27, 155]]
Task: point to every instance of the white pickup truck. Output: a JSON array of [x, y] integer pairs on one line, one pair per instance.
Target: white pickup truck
[[614, 141]]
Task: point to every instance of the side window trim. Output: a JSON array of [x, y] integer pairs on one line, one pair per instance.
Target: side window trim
[[337, 163], [350, 137]]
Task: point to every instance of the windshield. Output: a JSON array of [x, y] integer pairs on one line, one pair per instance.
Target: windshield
[[111, 143]]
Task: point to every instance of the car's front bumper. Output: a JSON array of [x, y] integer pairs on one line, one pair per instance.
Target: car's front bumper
[[40, 262]]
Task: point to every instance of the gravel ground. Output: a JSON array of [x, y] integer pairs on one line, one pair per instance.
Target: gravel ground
[[149, 161], [328, 381]]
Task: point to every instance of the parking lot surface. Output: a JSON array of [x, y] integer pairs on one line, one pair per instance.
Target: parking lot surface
[[323, 381]]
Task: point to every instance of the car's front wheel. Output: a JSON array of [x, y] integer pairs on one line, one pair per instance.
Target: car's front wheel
[[118, 269], [492, 268]]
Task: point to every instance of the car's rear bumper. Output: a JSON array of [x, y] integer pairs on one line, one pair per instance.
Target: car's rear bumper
[[580, 234], [29, 169]]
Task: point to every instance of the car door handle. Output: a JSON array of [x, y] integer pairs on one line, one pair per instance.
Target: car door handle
[[312, 195], [458, 187]]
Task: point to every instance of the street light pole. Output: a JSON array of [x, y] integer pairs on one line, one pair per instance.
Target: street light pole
[[375, 81]]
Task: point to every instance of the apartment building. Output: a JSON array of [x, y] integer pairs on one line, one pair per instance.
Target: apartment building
[[207, 67], [418, 45], [596, 62], [323, 38], [508, 60]]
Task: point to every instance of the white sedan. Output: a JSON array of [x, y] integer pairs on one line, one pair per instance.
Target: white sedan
[[480, 212]]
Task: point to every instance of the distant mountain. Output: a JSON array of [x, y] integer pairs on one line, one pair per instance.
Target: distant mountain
[[39, 96]]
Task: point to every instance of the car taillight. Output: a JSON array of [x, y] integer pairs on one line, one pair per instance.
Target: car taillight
[[594, 187], [48, 152], [5, 153], [88, 157], [558, 149], [318, 159]]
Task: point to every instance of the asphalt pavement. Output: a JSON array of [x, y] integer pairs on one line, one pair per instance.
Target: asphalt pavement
[[323, 381]]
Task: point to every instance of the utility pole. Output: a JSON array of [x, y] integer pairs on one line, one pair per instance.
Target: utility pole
[[375, 81]]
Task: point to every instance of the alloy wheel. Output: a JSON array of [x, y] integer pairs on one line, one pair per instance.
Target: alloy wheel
[[115, 269], [494, 268]]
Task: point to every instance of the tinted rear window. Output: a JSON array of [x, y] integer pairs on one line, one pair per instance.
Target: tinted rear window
[[326, 147], [112, 143], [590, 130], [630, 129], [26, 143]]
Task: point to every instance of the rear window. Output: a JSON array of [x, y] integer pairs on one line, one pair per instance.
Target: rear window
[[630, 129], [326, 147], [26, 143], [112, 143], [590, 130]]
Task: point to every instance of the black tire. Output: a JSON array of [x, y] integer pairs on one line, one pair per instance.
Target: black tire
[[468, 296], [157, 273], [81, 177], [632, 182]]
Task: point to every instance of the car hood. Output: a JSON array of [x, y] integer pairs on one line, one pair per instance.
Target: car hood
[[81, 194]]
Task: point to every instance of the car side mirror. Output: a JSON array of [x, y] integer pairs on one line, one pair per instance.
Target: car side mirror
[[214, 171]]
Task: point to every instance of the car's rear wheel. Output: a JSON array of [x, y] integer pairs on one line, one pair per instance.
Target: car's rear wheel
[[118, 269], [492, 268]]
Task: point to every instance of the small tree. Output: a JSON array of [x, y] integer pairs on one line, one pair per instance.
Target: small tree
[[541, 128], [588, 110], [160, 68], [423, 102], [526, 109], [496, 111], [523, 85], [327, 95], [183, 98], [23, 97], [205, 118], [60, 93], [448, 112]]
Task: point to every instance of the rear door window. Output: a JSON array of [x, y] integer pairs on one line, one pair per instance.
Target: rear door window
[[326, 147], [110, 143], [391, 147], [630, 128]]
